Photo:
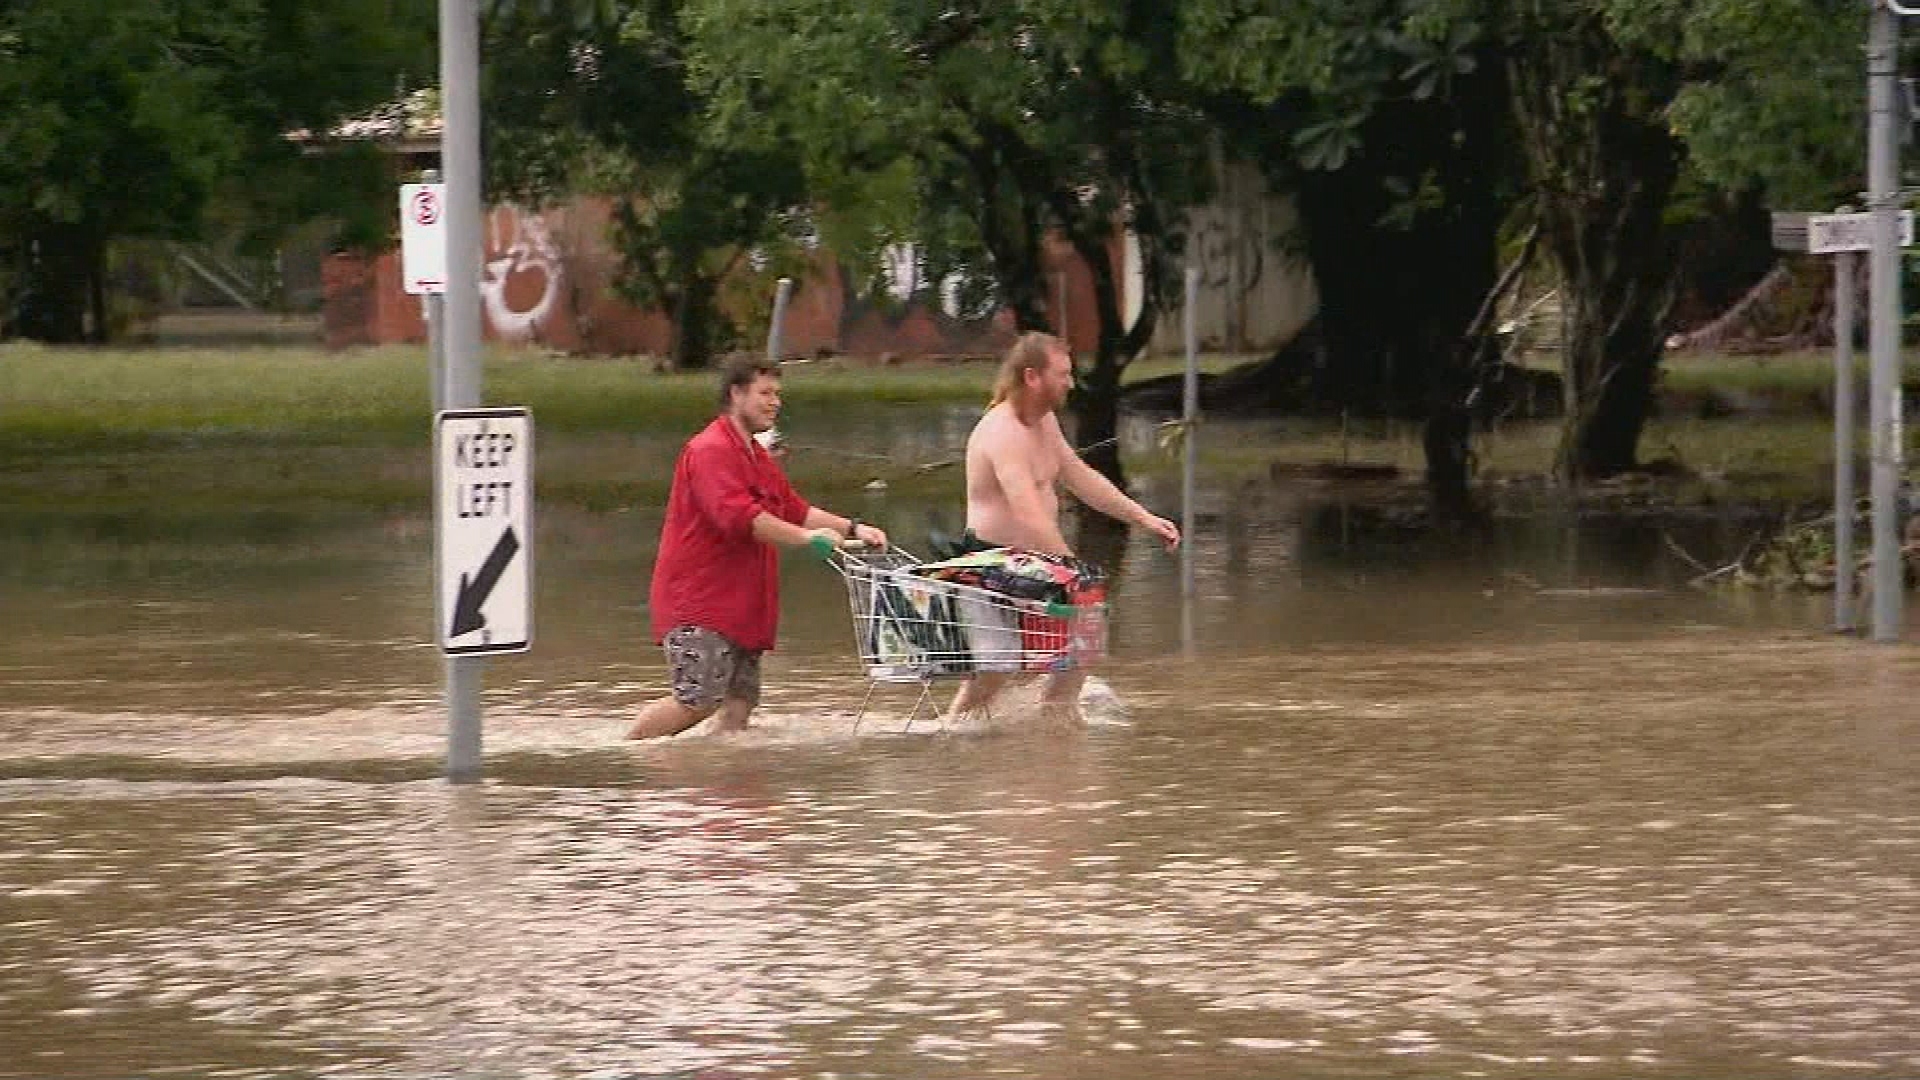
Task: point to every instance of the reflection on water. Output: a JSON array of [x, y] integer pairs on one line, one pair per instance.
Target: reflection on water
[[1530, 813]]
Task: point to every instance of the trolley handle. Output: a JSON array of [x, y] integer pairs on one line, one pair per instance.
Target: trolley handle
[[825, 548]]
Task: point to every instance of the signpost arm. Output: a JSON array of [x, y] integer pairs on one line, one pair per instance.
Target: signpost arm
[[460, 159], [1883, 165]]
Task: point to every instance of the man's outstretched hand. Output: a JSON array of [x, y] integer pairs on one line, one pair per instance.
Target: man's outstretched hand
[[1167, 531]]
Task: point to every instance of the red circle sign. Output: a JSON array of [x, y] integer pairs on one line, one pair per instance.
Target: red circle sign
[[426, 207]]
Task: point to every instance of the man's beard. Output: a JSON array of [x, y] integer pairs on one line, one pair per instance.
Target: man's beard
[[1039, 401]]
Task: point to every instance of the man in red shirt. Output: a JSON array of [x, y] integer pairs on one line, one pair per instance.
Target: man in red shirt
[[715, 598]]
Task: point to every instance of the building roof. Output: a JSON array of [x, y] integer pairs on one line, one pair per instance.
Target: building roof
[[409, 124]]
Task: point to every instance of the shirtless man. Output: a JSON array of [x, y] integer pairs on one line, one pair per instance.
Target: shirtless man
[[1017, 458]]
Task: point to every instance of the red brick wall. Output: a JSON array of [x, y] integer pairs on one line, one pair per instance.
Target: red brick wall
[[547, 280]]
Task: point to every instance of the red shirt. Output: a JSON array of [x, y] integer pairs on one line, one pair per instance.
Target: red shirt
[[711, 572]]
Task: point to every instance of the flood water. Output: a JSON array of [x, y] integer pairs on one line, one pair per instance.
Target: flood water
[[1359, 810]]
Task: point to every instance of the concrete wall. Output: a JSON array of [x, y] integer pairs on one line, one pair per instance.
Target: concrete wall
[[1255, 292]]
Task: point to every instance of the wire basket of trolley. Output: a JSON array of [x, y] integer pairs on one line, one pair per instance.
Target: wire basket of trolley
[[1000, 610]]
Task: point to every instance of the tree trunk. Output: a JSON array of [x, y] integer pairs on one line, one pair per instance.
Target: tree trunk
[[694, 321], [1100, 540], [1009, 223], [1616, 258], [102, 328], [1605, 166], [1096, 419], [1096, 399], [54, 288], [1401, 274], [1447, 439]]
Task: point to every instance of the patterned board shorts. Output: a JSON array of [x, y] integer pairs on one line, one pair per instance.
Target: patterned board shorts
[[706, 668]]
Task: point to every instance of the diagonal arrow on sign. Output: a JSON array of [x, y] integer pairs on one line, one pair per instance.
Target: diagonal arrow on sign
[[475, 590]]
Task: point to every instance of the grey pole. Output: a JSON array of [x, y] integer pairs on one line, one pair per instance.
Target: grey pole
[[434, 307], [1190, 417], [1883, 166], [1843, 441], [1189, 445], [781, 293], [460, 159], [436, 312]]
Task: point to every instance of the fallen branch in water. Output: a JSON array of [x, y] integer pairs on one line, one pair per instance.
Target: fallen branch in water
[[1798, 556], [1685, 555]]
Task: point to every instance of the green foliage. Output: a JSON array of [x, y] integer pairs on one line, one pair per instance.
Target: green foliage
[[593, 98], [1785, 111], [1009, 117], [123, 120], [1341, 81], [1763, 92]]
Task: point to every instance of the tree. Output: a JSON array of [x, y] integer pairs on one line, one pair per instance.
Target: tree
[[1604, 167], [1035, 117], [125, 121], [593, 98], [1628, 116], [1389, 122], [1624, 105]]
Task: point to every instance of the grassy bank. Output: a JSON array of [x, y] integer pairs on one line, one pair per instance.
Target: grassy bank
[[195, 431], [100, 397], [383, 395], [199, 431]]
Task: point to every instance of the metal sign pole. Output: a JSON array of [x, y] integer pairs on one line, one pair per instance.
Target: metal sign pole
[[1190, 418], [1843, 440], [1883, 182], [433, 307], [1190, 449], [460, 159]]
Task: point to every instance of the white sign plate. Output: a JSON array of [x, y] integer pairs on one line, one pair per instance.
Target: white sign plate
[[483, 529], [1831, 234], [423, 238]]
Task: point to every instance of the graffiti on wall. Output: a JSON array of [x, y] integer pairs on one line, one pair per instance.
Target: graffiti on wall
[[961, 294], [1256, 290], [544, 282], [525, 263], [1229, 249]]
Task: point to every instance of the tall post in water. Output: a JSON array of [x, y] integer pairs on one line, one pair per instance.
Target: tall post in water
[[1190, 423], [781, 293], [1883, 183], [461, 336], [434, 307], [1190, 451], [1843, 441]]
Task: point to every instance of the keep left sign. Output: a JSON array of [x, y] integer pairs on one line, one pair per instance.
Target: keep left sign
[[483, 522]]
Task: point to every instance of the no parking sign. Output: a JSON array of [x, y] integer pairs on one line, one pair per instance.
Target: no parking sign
[[423, 238]]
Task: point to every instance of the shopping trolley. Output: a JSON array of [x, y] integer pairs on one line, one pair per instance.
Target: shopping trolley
[[910, 628]]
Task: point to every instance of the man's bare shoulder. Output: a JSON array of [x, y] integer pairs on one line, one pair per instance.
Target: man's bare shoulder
[[990, 431]]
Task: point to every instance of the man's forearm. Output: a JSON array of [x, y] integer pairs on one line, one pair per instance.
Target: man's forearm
[[822, 519], [771, 530], [1100, 493]]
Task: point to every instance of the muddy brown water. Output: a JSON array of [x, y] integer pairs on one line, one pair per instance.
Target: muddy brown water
[[1355, 811]]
